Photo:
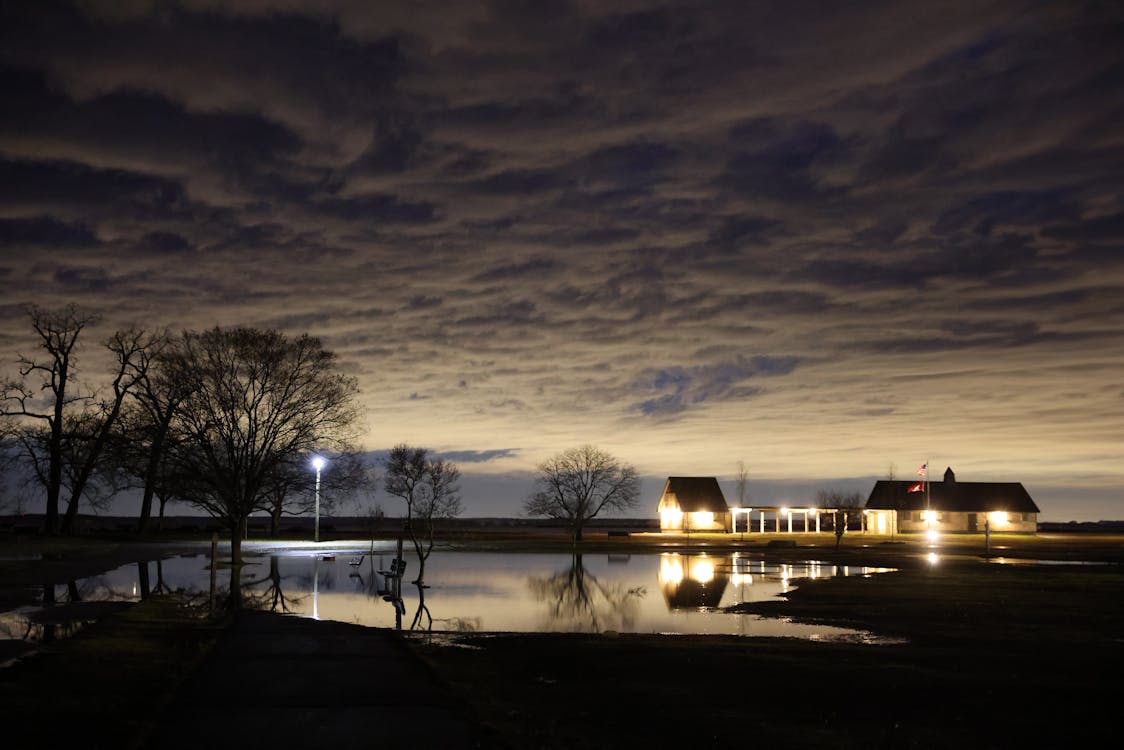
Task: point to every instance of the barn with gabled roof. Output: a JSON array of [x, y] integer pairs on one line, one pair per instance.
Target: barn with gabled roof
[[950, 505], [693, 504]]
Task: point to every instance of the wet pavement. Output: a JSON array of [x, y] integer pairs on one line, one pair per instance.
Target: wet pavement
[[281, 681]]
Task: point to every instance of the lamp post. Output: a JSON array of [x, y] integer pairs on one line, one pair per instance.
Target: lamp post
[[318, 464]]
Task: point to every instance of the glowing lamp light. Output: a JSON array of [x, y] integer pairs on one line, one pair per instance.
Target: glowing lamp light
[[999, 517], [785, 511], [318, 462], [930, 515], [933, 535], [933, 559]]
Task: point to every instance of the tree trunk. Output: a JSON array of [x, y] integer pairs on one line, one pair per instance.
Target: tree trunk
[[150, 472], [237, 534], [71, 514], [142, 575], [54, 481], [422, 554]]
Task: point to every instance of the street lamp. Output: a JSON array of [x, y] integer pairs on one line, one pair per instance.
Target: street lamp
[[318, 464]]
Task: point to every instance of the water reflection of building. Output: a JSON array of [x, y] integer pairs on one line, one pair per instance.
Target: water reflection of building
[[693, 581], [700, 581]]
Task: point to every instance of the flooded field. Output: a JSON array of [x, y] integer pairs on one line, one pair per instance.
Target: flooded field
[[478, 592]]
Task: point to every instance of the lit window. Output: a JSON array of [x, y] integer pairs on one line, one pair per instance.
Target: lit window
[[671, 518], [701, 518]]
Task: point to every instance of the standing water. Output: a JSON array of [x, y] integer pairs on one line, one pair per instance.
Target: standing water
[[494, 592]]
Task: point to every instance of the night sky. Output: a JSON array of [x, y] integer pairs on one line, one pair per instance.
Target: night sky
[[822, 238]]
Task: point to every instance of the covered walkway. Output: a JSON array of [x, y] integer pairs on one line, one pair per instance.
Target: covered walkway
[[780, 519]]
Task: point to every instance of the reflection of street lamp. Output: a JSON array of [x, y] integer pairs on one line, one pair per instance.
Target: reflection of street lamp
[[318, 464]]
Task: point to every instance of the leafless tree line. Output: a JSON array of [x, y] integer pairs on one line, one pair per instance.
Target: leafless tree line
[[223, 419]]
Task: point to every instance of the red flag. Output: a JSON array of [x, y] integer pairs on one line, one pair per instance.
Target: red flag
[[916, 488]]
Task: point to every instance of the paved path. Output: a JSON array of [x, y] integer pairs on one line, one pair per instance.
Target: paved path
[[280, 681]]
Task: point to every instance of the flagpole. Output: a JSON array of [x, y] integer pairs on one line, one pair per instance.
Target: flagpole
[[928, 503]]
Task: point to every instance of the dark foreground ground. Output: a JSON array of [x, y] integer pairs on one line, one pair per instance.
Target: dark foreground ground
[[995, 656]]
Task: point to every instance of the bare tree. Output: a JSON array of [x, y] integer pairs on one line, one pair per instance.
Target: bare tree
[[742, 482], [128, 347], [46, 401], [847, 506], [429, 487], [579, 484], [256, 401], [291, 489], [157, 397], [65, 429]]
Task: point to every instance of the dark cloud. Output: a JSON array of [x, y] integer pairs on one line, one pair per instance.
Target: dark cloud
[[629, 163], [777, 160], [43, 230], [74, 188], [165, 242], [377, 209], [522, 182], [533, 267], [85, 279]]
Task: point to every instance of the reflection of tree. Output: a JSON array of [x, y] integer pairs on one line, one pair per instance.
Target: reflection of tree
[[422, 615], [578, 601], [272, 597]]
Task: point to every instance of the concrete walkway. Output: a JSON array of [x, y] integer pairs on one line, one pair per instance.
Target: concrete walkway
[[280, 681]]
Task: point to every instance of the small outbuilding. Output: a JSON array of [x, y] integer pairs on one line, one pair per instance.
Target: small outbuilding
[[693, 504], [950, 506]]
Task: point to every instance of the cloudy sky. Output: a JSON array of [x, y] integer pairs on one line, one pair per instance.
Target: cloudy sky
[[822, 238]]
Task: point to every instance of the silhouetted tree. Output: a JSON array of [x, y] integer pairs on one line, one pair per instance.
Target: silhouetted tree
[[291, 490], [58, 334], [428, 485], [256, 402], [149, 427], [847, 506], [580, 484], [741, 480], [47, 400]]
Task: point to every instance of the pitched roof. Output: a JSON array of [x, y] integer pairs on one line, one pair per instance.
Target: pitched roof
[[696, 494], [955, 497]]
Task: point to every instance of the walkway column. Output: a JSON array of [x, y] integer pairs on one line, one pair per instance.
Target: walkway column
[[817, 520], [762, 522], [790, 522]]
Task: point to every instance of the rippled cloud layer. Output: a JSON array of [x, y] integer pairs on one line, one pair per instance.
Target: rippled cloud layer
[[822, 239]]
